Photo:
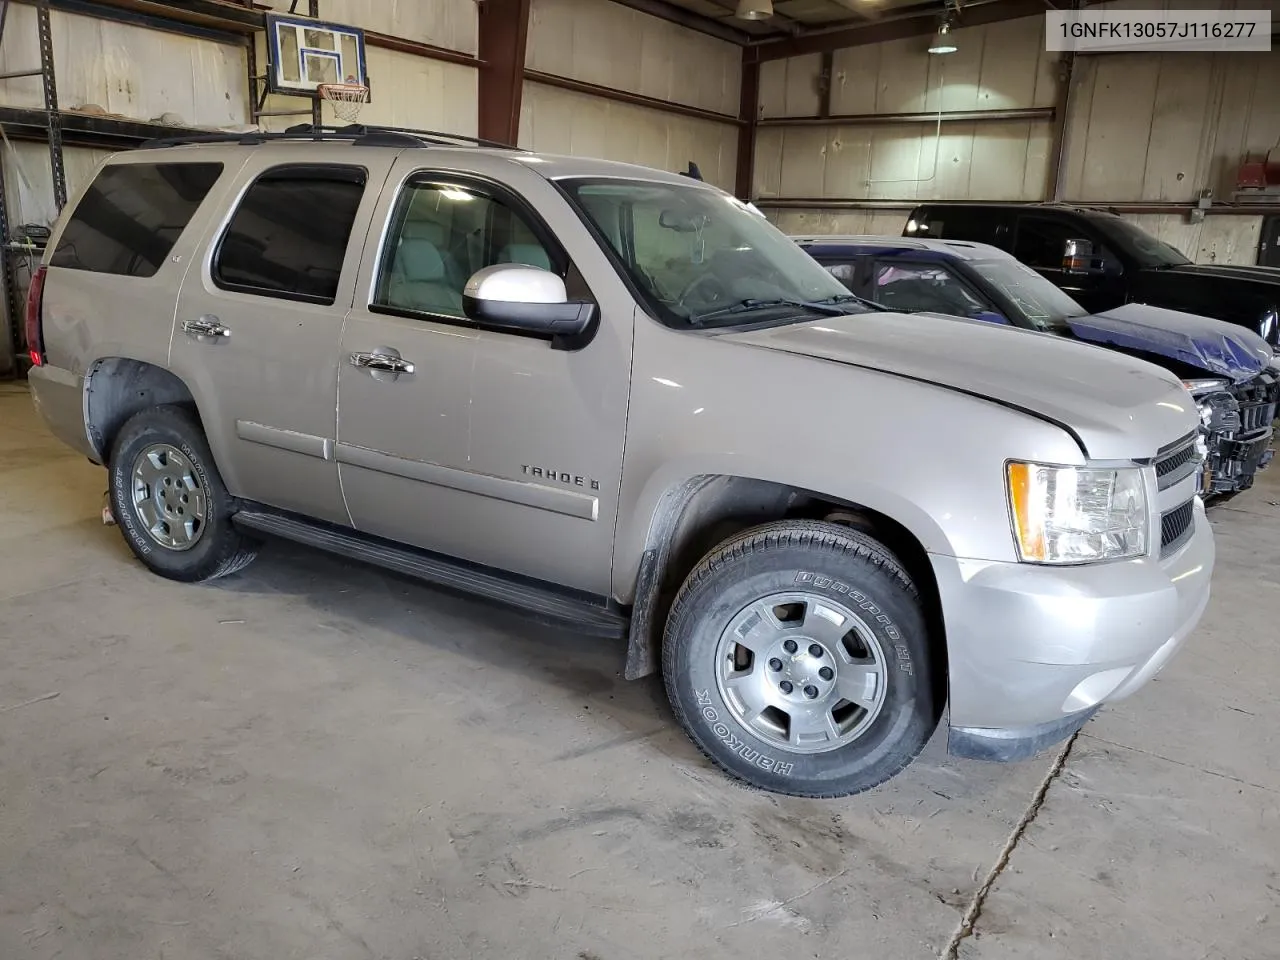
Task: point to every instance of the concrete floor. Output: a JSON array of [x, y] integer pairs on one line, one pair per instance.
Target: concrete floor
[[314, 760]]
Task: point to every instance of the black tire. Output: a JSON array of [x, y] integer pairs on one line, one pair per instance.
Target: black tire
[[220, 549], [834, 564]]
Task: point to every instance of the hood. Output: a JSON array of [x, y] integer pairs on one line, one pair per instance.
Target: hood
[[1268, 275], [1119, 407], [1221, 349]]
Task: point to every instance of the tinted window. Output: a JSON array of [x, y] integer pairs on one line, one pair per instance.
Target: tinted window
[[1042, 243], [922, 286], [1145, 248], [962, 223], [288, 238], [132, 215], [441, 235]]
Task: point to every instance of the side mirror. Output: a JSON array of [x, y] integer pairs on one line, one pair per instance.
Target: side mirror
[[523, 299], [1077, 256]]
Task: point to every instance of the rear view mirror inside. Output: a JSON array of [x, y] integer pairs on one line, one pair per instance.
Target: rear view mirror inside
[[682, 222]]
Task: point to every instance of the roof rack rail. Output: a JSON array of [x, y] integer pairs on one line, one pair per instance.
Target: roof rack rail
[[359, 134]]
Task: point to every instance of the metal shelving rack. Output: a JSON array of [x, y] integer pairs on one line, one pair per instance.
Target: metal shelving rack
[[229, 22], [10, 248]]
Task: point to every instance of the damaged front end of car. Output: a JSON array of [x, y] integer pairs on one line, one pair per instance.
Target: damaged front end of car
[[1235, 430]]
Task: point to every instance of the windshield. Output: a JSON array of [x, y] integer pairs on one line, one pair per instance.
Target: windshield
[[1148, 251], [699, 256], [1038, 300]]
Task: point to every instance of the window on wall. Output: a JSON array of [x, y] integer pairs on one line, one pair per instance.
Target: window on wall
[[441, 234], [288, 238], [132, 215]]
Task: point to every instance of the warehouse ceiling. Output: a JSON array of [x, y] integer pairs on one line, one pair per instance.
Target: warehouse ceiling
[[797, 17]]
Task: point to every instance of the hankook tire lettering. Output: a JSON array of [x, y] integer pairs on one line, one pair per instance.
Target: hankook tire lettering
[[730, 740]]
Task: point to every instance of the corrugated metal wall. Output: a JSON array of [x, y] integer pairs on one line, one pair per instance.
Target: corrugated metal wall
[[1163, 126], [117, 68], [611, 45], [1154, 127], [999, 66]]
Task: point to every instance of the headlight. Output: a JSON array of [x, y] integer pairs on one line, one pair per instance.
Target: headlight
[[1077, 514], [1198, 388]]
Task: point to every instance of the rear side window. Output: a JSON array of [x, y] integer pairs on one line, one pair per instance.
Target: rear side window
[[288, 238], [975, 224], [132, 215]]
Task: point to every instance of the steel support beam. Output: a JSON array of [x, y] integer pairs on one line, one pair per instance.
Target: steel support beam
[[504, 34], [622, 96], [889, 119], [897, 27], [685, 18], [748, 117]]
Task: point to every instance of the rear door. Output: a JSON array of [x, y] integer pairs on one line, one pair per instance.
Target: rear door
[[259, 324]]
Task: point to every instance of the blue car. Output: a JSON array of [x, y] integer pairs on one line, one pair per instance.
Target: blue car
[[1230, 371]]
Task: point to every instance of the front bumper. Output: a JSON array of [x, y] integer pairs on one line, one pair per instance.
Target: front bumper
[[1033, 650], [1238, 438]]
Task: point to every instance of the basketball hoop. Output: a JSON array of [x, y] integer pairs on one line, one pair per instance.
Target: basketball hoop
[[345, 98]]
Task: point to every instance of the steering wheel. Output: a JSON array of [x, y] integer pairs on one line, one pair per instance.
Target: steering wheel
[[706, 290]]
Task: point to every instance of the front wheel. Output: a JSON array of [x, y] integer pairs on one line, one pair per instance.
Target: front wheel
[[796, 657]]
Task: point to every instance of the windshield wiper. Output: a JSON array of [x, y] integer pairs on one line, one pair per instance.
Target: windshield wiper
[[831, 306]]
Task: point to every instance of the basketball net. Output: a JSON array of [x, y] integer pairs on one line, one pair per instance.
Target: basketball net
[[345, 98]]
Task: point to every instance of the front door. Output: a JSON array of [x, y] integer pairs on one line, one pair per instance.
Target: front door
[[259, 322], [1269, 243], [488, 446], [1041, 244]]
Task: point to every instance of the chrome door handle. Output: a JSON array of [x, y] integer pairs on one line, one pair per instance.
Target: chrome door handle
[[381, 362], [206, 326]]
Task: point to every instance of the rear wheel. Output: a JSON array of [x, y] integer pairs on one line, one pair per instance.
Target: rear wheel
[[796, 657], [168, 500]]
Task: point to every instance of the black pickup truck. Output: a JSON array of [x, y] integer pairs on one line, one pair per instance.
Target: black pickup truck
[[1103, 261]]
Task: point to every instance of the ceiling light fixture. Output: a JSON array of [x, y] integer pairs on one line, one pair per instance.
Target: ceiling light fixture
[[754, 9], [943, 42]]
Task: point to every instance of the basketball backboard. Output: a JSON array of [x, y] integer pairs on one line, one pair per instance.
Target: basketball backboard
[[306, 53]]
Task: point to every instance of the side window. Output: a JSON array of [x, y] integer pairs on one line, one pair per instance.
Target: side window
[[440, 235], [288, 238], [846, 272], [963, 223], [911, 287], [132, 215], [1041, 243]]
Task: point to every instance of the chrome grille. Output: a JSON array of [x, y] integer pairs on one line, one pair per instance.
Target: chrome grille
[[1176, 526], [1176, 462]]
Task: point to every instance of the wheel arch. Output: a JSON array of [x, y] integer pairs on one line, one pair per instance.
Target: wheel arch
[[116, 388], [695, 514]]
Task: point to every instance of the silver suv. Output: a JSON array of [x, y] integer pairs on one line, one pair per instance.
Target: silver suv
[[620, 399]]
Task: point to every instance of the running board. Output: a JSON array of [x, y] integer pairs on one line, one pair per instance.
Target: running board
[[545, 600]]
